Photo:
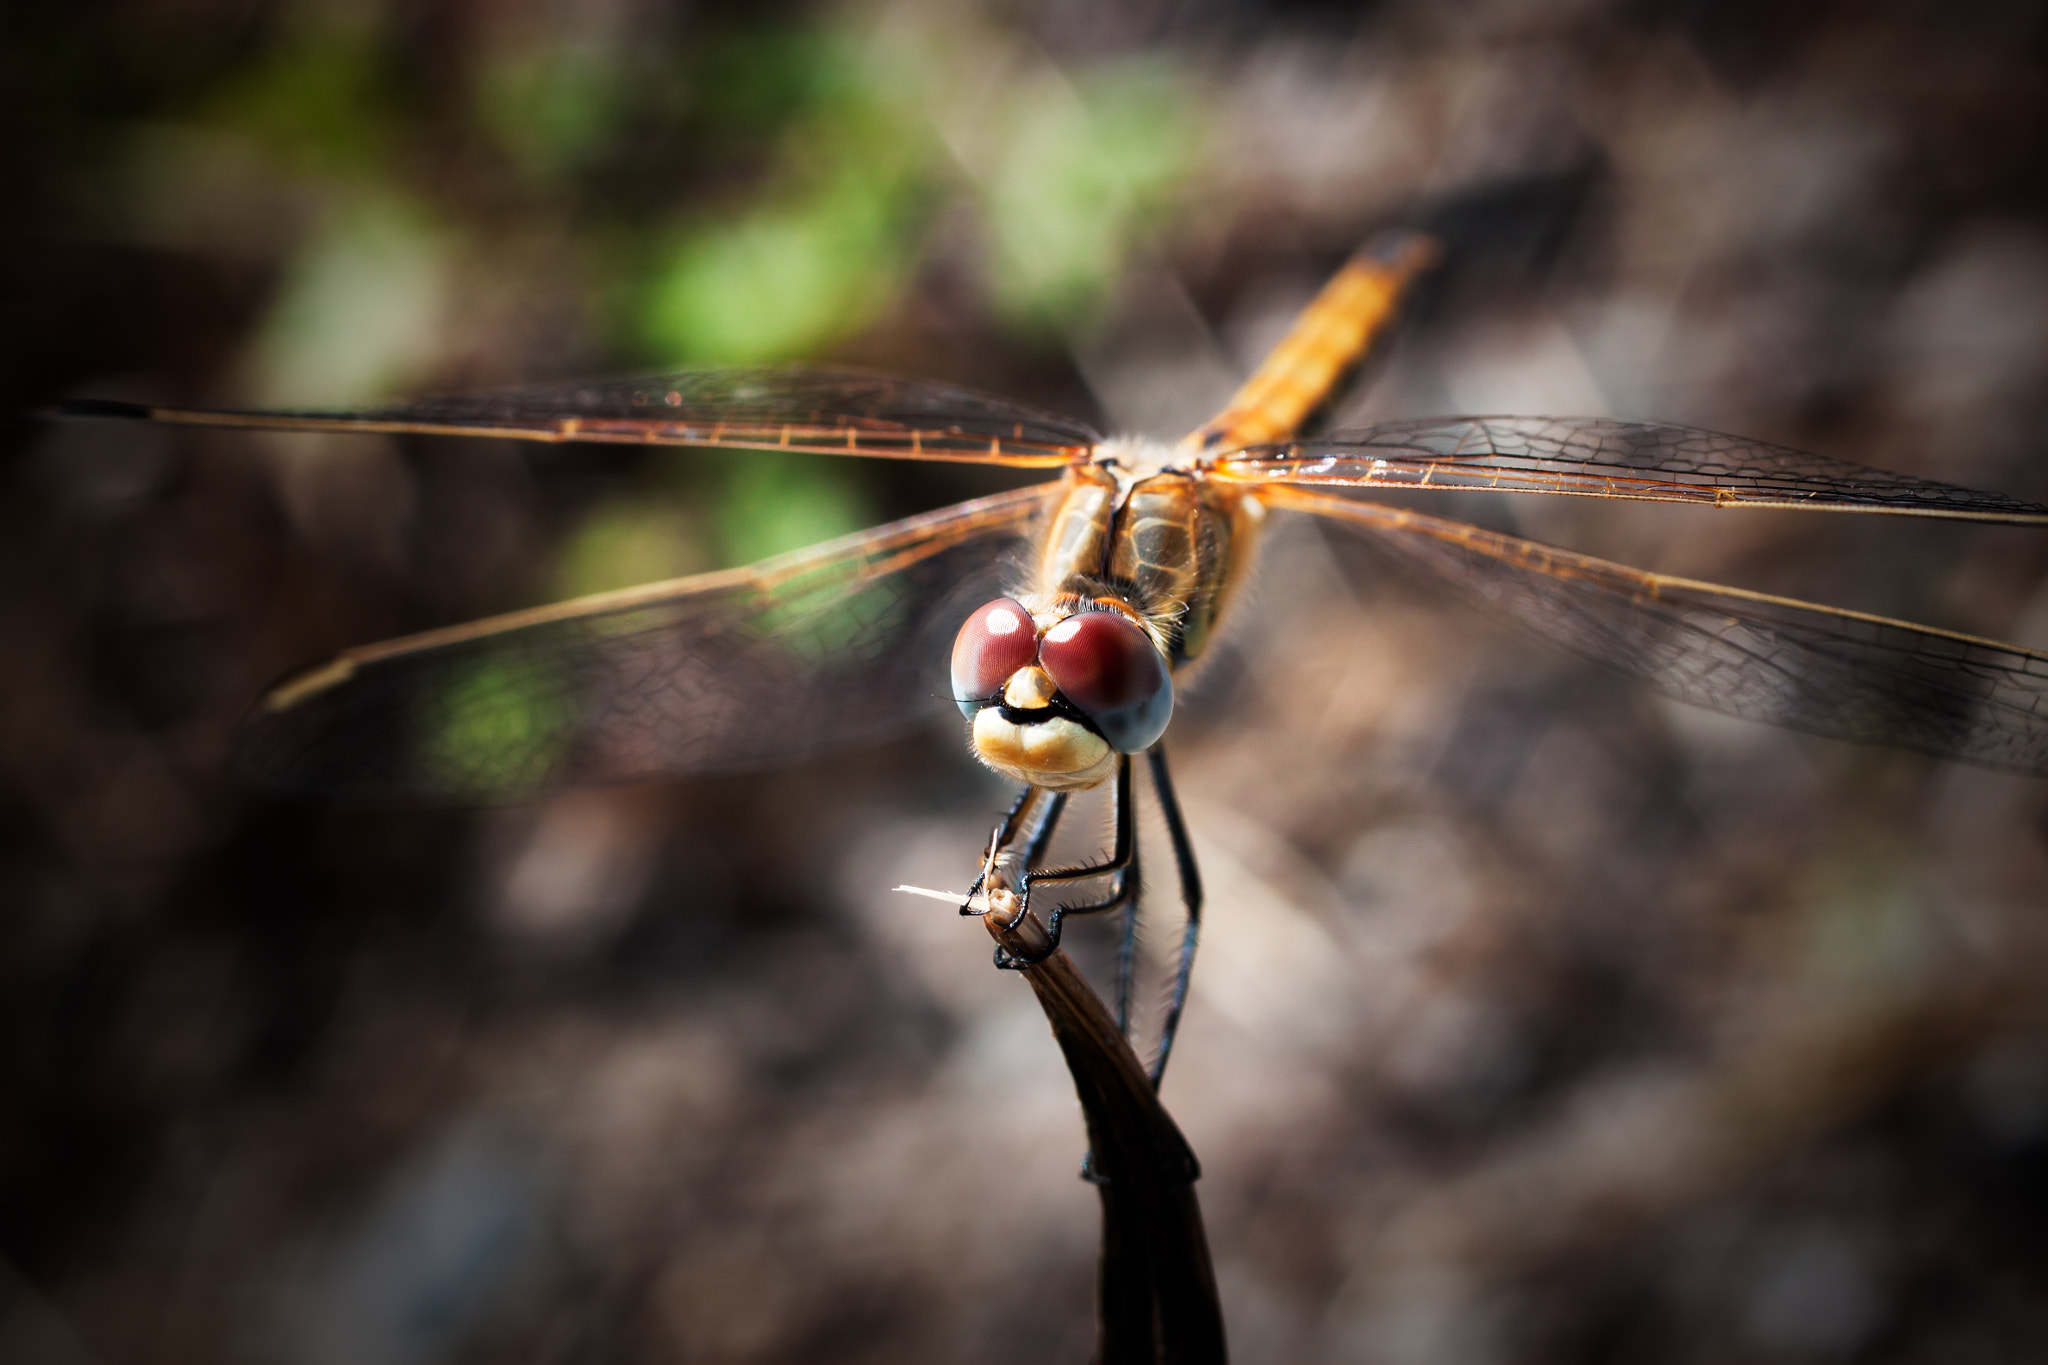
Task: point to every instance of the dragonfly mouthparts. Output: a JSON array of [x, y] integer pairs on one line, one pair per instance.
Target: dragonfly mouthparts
[[1057, 708]]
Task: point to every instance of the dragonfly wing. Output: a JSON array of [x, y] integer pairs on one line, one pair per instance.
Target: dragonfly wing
[[836, 645], [826, 410], [1795, 664], [1603, 458]]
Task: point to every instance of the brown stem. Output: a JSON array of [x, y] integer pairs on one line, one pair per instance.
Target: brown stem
[[1156, 1292]]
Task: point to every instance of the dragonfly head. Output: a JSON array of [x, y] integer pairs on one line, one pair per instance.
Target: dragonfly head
[[1056, 698]]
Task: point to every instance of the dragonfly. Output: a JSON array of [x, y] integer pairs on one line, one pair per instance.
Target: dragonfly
[[1069, 608]]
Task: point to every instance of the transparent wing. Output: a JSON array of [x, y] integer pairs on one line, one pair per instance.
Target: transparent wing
[[1603, 458], [839, 644], [1805, 667], [831, 411]]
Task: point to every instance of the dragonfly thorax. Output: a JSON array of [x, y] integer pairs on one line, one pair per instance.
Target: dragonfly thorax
[[1168, 543]]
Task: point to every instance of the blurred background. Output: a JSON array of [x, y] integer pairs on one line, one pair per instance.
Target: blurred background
[[1537, 1019]]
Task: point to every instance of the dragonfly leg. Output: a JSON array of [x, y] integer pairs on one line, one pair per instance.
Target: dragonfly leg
[[1035, 808], [1122, 895], [1034, 851], [1190, 895], [1127, 958], [1119, 865]]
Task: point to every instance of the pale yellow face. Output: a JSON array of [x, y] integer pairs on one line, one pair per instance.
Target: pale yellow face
[[1054, 753]]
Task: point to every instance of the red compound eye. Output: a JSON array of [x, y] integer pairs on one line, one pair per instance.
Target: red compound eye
[[1110, 669], [997, 640]]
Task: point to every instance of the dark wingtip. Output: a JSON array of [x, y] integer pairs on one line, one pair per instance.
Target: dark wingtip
[[98, 407]]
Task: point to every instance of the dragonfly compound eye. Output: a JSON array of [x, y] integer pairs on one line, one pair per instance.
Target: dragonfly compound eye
[[997, 640], [1109, 669]]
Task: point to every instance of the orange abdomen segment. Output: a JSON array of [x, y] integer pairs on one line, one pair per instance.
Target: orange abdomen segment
[[1331, 336]]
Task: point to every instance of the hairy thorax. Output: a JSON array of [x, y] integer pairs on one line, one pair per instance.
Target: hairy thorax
[[1135, 529]]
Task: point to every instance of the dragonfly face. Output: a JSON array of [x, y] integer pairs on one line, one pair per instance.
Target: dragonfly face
[[1056, 695]]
